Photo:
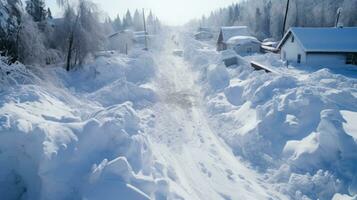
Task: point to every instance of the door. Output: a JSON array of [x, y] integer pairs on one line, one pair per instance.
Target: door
[[299, 58]]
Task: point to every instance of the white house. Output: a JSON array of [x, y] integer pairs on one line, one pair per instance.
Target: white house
[[315, 46], [244, 45], [227, 33]]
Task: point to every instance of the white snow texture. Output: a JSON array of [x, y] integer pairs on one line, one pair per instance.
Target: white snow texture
[[152, 125]]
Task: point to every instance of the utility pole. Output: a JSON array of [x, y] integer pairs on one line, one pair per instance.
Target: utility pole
[[145, 31], [286, 16]]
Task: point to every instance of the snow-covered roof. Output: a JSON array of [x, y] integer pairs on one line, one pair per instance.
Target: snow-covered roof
[[231, 31], [236, 40], [202, 33], [204, 29], [324, 39], [122, 32], [140, 33]]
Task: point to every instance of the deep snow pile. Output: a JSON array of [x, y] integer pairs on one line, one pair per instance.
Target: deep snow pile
[[300, 129], [77, 135]]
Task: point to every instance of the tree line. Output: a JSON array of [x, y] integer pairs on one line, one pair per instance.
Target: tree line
[[30, 34], [265, 17], [135, 22]]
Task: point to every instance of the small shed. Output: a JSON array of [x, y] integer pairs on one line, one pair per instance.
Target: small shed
[[228, 32], [121, 41], [244, 45], [315, 46]]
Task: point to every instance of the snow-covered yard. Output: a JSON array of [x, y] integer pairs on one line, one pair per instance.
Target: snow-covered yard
[[154, 125]]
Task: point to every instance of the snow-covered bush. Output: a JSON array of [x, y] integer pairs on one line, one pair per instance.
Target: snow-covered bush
[[31, 42], [14, 74]]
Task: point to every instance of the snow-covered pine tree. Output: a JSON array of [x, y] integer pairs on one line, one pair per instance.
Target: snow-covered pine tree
[[117, 24], [265, 17], [138, 23], [10, 22], [127, 21], [150, 20], [49, 13], [36, 8]]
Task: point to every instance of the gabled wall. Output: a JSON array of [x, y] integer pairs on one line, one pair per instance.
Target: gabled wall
[[292, 49]]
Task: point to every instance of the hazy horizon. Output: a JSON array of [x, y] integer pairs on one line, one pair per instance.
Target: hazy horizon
[[176, 12]]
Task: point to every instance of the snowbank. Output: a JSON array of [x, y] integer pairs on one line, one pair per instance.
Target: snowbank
[[77, 135], [296, 127]]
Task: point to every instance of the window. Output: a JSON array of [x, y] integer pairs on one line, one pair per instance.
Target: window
[[292, 39], [249, 50], [299, 58], [351, 59]]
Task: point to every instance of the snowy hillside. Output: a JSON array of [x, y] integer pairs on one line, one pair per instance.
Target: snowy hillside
[[152, 125]]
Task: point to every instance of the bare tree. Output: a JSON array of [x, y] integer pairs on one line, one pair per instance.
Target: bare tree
[[81, 32]]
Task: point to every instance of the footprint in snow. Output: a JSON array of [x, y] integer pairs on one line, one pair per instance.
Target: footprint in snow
[[241, 177], [230, 174], [205, 170]]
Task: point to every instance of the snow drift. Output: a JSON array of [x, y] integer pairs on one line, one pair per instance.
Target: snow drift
[[298, 128], [77, 135]]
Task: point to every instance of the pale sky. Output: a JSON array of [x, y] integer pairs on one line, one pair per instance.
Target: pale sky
[[171, 12]]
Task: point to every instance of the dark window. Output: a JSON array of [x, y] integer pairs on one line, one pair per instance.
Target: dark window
[[292, 39], [299, 58], [249, 50], [351, 59]]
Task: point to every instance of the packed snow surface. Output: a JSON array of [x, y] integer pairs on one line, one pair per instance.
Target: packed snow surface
[[154, 125]]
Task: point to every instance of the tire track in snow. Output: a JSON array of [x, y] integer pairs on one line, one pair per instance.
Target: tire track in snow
[[203, 167]]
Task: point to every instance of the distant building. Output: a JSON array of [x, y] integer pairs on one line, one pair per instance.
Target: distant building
[[227, 33], [121, 41], [203, 34], [313, 46], [244, 45]]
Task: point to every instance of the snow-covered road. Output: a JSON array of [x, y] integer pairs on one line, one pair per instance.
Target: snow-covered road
[[200, 165], [154, 125]]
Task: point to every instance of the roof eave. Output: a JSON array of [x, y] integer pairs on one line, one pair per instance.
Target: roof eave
[[282, 41], [285, 38]]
